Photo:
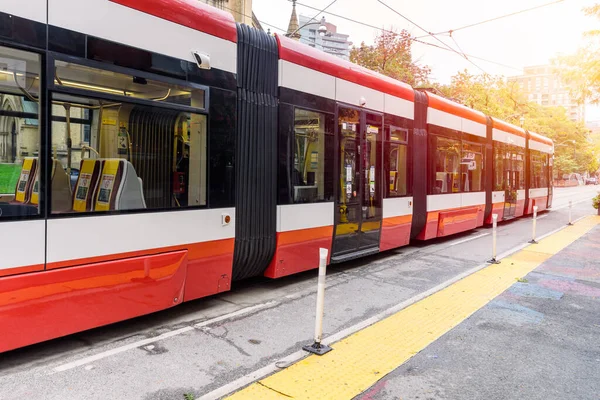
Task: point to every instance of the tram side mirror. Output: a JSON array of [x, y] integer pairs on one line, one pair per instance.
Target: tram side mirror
[[202, 60]]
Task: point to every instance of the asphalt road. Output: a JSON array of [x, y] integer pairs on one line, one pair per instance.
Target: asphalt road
[[211, 346]]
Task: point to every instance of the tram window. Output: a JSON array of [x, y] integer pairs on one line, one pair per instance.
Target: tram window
[[20, 74], [539, 169], [518, 166], [472, 167], [396, 160], [137, 157], [77, 76], [312, 173], [499, 151], [447, 171]]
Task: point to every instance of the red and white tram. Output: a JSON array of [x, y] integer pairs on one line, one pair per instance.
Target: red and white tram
[[153, 152]]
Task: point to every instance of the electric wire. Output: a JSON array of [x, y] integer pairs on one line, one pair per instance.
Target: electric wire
[[468, 55], [316, 15], [491, 19], [415, 39], [426, 31]]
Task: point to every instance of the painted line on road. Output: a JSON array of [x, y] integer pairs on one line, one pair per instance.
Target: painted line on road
[[573, 203], [467, 239], [543, 216], [299, 355], [139, 343]]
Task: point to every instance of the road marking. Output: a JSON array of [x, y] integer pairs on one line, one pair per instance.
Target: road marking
[[573, 203], [543, 216], [361, 359], [467, 239], [299, 355], [139, 343]]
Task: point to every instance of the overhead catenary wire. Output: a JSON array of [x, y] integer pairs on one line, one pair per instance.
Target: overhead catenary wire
[[426, 31], [316, 15], [414, 39], [468, 55], [380, 29], [491, 19]]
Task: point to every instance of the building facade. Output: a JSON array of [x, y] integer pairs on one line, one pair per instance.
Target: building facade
[[331, 41], [240, 9], [544, 87]]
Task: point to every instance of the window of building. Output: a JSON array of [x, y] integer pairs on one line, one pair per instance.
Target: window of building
[[472, 167], [312, 175], [396, 162], [20, 75], [447, 165], [145, 148]]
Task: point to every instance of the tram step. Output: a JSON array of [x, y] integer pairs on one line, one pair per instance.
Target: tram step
[[356, 254]]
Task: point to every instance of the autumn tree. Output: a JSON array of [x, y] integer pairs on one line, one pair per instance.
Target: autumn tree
[[391, 55], [504, 100], [581, 70]]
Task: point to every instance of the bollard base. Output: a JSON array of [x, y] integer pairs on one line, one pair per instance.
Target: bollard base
[[569, 223], [533, 241], [493, 261], [317, 348]]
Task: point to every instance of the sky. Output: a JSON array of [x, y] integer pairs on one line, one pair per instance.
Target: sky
[[530, 38]]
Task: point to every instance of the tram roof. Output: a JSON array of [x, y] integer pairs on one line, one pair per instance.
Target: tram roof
[[508, 127], [189, 13], [539, 138], [442, 104], [309, 57]]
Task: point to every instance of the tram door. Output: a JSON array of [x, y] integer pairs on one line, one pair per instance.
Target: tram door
[[512, 182], [359, 193]]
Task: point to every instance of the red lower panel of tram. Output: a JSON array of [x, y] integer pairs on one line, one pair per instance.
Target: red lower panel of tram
[[46, 305], [448, 222], [395, 232], [298, 251]]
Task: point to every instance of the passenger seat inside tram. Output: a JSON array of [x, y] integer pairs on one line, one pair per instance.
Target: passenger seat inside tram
[[106, 185], [61, 188]]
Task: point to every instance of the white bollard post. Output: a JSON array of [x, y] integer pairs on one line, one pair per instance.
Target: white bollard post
[[494, 228], [317, 347], [570, 205], [534, 222]]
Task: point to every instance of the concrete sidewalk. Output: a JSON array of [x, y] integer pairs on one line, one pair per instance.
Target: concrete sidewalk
[[524, 328]]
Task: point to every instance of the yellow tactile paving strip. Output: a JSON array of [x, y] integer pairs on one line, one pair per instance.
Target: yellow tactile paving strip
[[360, 360]]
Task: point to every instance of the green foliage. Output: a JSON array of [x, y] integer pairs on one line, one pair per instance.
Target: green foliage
[[9, 175], [504, 100], [582, 69], [596, 201], [188, 396], [391, 55]]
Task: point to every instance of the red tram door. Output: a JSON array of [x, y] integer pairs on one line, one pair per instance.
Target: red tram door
[[359, 190]]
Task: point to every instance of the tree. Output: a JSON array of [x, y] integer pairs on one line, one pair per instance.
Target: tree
[[391, 55], [488, 94], [581, 70], [504, 100]]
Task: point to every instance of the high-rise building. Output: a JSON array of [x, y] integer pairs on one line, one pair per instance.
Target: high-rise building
[[328, 40], [543, 86]]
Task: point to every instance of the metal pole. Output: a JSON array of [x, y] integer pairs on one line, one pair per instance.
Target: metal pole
[[570, 205], [317, 347], [494, 228], [534, 222]]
